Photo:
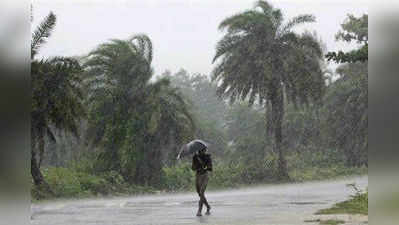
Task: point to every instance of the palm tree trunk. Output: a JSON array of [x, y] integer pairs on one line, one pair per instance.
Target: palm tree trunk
[[35, 171], [41, 149], [277, 102], [34, 168], [37, 175]]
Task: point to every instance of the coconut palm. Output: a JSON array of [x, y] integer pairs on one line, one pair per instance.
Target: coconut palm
[[131, 117], [116, 73], [260, 57], [56, 96]]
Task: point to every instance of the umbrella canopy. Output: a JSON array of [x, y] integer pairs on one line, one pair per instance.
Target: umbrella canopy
[[192, 147]]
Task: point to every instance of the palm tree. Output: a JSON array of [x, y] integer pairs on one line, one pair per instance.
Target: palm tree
[[262, 58], [56, 96], [130, 116]]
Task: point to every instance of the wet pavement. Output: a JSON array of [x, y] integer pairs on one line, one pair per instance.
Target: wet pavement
[[285, 204]]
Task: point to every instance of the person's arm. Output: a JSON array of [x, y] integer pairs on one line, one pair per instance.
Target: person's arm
[[196, 163], [209, 166], [193, 165]]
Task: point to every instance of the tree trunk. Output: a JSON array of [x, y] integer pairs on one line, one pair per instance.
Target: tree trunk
[[277, 102], [37, 175], [41, 148], [35, 171]]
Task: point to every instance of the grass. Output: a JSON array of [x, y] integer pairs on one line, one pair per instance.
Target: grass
[[331, 222], [358, 204], [69, 183], [79, 182], [326, 222]]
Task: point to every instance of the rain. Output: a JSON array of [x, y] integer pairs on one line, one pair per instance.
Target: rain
[[199, 112]]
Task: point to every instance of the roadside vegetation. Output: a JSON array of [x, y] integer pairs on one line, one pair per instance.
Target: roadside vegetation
[[105, 124], [326, 222], [357, 204]]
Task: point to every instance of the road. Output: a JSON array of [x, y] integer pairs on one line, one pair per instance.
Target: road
[[284, 204]]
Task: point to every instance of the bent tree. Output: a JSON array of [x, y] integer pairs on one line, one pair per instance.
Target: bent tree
[[132, 120], [57, 98], [262, 58]]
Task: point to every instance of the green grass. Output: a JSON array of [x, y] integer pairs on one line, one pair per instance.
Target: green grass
[[358, 204], [79, 180], [326, 222], [69, 183], [331, 222]]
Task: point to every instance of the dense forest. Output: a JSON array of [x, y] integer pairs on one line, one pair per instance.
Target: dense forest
[[272, 110]]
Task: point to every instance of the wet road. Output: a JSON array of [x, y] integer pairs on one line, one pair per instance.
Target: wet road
[[286, 204]]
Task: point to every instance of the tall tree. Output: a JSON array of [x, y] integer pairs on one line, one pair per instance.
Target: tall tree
[[132, 118], [57, 99], [353, 29], [261, 57], [347, 113], [347, 98]]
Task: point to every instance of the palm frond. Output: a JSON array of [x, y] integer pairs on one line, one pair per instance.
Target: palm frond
[[39, 37], [227, 43], [238, 22], [265, 6], [301, 19], [144, 46]]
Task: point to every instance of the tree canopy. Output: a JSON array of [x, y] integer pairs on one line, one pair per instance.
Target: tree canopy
[[260, 57]]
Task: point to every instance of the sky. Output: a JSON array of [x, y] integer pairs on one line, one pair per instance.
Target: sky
[[184, 32]]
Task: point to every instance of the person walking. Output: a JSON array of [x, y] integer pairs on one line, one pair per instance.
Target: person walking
[[202, 163]]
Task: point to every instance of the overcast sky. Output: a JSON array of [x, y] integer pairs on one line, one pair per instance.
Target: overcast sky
[[184, 32]]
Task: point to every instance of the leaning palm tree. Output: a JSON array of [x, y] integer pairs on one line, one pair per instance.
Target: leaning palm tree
[[131, 118], [116, 74], [57, 99], [260, 57]]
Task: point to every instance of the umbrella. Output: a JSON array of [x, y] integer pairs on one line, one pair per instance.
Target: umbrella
[[192, 147]]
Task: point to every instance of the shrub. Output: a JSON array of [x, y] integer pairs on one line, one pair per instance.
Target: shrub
[[178, 177]]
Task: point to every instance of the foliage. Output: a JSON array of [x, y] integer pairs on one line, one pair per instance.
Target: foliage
[[326, 222], [353, 29], [132, 119], [57, 98], [358, 204], [42, 32], [262, 58], [137, 122], [240, 172], [207, 109], [248, 145], [178, 177], [358, 55], [347, 113], [68, 183]]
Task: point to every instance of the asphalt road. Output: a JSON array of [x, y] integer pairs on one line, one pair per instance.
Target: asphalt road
[[285, 204]]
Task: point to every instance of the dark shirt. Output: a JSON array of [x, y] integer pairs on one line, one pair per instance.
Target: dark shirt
[[202, 163]]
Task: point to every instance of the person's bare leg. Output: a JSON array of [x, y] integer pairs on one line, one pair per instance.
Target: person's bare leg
[[199, 213], [208, 207], [198, 187], [204, 200]]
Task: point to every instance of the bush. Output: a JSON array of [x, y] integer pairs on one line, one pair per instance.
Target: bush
[[225, 175], [63, 182], [68, 183], [178, 177], [357, 204]]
